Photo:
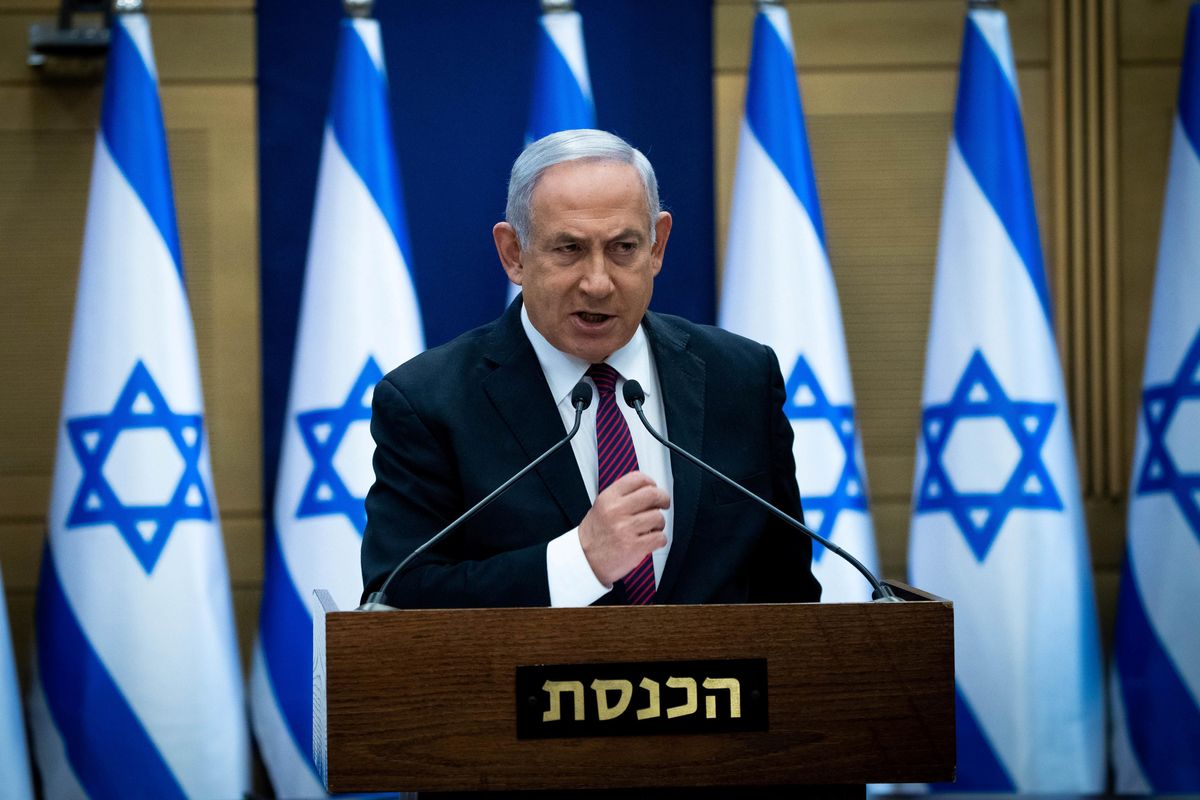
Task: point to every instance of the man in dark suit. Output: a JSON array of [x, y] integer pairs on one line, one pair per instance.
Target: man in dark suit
[[615, 518]]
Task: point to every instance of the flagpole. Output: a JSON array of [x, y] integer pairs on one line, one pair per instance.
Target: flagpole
[[557, 6]]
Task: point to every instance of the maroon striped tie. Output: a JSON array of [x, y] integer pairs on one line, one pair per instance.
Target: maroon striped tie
[[616, 456]]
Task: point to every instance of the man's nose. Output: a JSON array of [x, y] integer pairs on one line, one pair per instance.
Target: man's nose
[[596, 279]]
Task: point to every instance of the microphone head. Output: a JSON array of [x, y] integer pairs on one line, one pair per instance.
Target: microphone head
[[581, 395], [633, 393]]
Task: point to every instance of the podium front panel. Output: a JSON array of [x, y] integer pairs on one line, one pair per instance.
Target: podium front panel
[[427, 700]]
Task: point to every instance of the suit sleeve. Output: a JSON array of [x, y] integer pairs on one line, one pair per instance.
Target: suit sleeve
[[783, 560], [416, 493]]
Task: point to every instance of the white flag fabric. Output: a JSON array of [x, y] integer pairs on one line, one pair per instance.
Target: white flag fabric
[[562, 89], [358, 319], [15, 783], [778, 289], [138, 687], [998, 524], [1156, 671]]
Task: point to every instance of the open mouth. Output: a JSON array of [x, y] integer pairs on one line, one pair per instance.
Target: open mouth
[[593, 319]]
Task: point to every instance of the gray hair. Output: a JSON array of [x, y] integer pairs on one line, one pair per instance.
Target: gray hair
[[573, 145]]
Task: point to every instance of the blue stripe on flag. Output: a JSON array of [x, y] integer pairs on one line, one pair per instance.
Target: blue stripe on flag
[[979, 770], [559, 103], [132, 125], [987, 126], [286, 629], [362, 125], [1162, 716], [775, 115], [15, 780], [1189, 81], [110, 751]]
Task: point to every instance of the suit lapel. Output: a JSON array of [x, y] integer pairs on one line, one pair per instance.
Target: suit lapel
[[534, 421], [681, 378], [531, 414]]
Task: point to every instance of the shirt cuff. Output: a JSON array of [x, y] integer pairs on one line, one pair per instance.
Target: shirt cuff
[[572, 582]]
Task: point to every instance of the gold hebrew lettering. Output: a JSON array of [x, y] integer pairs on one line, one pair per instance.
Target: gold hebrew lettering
[[556, 688], [602, 688], [735, 696], [689, 706], [651, 710]]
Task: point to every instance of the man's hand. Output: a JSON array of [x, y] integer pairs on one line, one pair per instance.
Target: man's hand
[[624, 525]]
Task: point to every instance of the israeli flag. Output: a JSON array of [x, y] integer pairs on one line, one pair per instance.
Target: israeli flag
[[778, 289], [998, 524], [14, 757], [138, 687], [562, 90], [1155, 679], [358, 319]]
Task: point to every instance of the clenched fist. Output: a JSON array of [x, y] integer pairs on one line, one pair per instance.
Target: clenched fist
[[624, 525]]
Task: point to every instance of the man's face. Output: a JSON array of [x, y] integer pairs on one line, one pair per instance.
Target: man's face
[[588, 272]]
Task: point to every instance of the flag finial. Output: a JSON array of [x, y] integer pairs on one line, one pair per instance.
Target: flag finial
[[128, 6], [557, 6], [975, 5], [358, 9]]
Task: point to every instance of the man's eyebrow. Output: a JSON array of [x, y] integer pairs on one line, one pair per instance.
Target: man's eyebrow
[[565, 237], [629, 233]]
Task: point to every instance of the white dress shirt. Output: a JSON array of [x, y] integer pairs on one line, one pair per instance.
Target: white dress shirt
[[572, 581]]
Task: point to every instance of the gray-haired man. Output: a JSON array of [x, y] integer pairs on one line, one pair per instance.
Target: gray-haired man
[[615, 519]]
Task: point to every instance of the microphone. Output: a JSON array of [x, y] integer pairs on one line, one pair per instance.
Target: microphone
[[581, 398], [635, 397]]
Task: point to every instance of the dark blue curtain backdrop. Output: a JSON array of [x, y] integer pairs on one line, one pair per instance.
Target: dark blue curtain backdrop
[[460, 76]]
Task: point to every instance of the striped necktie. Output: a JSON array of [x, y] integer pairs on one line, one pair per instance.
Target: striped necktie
[[616, 456]]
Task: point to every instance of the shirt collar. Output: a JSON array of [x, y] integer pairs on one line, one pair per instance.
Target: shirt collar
[[563, 371]]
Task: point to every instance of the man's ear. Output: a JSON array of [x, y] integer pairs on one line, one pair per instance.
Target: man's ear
[[508, 247], [662, 232]]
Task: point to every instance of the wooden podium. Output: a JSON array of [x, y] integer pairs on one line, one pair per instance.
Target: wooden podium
[[428, 700]]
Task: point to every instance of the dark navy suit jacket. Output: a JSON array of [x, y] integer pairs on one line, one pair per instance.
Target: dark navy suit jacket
[[455, 422]]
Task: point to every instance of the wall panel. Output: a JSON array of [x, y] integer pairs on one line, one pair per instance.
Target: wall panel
[[1152, 30], [871, 33], [188, 46]]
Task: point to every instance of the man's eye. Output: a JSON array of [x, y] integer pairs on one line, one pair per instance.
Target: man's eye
[[568, 248], [625, 247]]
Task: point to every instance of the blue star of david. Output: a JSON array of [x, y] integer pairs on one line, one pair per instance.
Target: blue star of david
[[322, 431], [1159, 404], [145, 528], [980, 515], [806, 400]]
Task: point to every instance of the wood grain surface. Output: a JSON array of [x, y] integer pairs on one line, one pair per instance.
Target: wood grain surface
[[424, 700]]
